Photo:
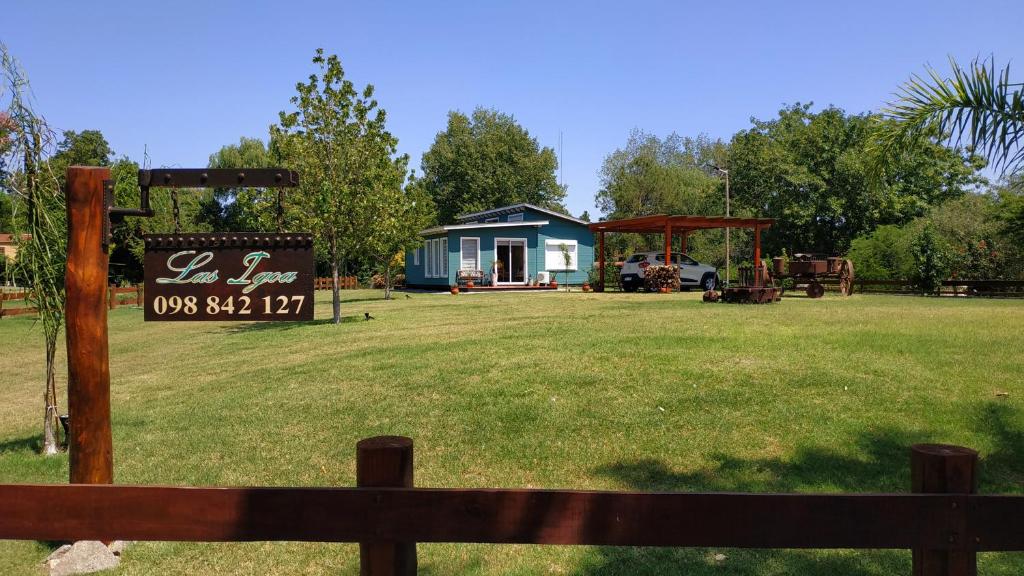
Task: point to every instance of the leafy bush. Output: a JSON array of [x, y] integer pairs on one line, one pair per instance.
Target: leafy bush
[[377, 280], [656, 277], [884, 254], [929, 261]]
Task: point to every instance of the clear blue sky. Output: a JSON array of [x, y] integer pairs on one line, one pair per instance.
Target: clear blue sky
[[187, 77]]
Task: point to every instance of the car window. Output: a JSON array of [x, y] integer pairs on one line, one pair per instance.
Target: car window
[[660, 257], [637, 258], [689, 261]]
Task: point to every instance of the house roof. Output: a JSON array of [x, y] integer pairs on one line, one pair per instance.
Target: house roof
[[479, 225], [519, 208]]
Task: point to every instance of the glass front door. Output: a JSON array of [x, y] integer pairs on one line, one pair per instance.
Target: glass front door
[[511, 261]]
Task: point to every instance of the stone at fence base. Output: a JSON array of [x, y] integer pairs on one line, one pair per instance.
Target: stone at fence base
[[83, 557]]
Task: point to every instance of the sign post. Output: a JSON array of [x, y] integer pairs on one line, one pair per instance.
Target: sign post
[[90, 442], [89, 195]]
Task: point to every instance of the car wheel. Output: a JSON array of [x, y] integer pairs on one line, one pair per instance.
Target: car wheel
[[629, 287], [708, 282]]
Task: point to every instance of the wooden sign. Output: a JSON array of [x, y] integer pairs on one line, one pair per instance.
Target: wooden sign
[[228, 276]]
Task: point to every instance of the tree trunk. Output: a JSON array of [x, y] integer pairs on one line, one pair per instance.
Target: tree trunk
[[50, 444], [387, 282], [336, 293]]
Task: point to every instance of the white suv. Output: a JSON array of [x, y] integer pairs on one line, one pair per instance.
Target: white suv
[[692, 274]]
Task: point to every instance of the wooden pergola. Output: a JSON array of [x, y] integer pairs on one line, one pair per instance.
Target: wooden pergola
[[670, 225]]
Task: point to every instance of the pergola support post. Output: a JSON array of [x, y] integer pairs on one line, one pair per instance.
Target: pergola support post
[[757, 257], [600, 261]]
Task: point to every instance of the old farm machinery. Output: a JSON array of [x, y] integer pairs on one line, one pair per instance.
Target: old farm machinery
[[809, 270]]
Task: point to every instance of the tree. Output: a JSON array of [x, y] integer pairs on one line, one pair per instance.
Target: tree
[[585, 216], [811, 171], [977, 102], [248, 209], [337, 141], [39, 190], [85, 148], [400, 215], [488, 160], [651, 175]]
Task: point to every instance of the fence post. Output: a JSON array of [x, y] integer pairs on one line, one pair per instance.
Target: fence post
[[138, 295], [113, 296], [944, 469], [385, 462]]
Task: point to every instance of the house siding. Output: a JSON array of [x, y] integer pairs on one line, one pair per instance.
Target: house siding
[[556, 229]]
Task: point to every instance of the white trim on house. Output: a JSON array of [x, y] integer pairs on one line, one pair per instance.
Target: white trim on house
[[462, 260], [524, 205], [526, 259], [442, 229], [517, 217], [443, 255], [560, 263]]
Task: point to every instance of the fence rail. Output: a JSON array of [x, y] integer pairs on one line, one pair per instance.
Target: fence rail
[[344, 283], [19, 311], [135, 297], [959, 288], [942, 521]]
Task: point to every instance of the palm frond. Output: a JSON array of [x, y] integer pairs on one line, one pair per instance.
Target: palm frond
[[977, 106]]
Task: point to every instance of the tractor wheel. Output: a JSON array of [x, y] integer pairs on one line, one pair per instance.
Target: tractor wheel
[[846, 278], [815, 290]]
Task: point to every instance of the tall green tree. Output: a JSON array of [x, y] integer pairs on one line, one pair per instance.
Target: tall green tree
[[488, 160], [652, 175], [812, 172], [977, 105], [245, 209], [336, 139], [401, 213]]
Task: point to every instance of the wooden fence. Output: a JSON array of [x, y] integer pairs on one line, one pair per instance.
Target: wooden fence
[[959, 288], [114, 296], [18, 311], [942, 521], [345, 283]]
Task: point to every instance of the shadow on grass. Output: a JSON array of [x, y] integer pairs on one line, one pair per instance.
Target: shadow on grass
[[881, 463], [32, 443], [284, 326]]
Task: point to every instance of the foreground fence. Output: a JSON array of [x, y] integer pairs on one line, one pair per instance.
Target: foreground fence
[[943, 521], [344, 283]]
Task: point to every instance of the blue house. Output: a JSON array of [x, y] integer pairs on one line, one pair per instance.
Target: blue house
[[511, 246]]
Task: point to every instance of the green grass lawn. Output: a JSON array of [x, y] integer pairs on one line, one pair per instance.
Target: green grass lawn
[[595, 391]]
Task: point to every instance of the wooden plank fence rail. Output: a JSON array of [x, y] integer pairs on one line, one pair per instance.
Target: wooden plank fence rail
[[345, 283], [981, 288], [943, 521], [114, 294], [19, 311]]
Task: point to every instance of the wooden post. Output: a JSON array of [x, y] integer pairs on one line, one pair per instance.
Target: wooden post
[[943, 469], [138, 295], [90, 445], [682, 247], [113, 296], [757, 256], [668, 244], [385, 462], [600, 261]]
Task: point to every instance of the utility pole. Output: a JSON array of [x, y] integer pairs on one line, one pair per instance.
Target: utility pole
[[727, 251]]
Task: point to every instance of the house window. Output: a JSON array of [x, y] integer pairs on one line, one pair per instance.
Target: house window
[[553, 257], [426, 260], [434, 260], [469, 257], [518, 217], [444, 258], [495, 219], [416, 257]]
